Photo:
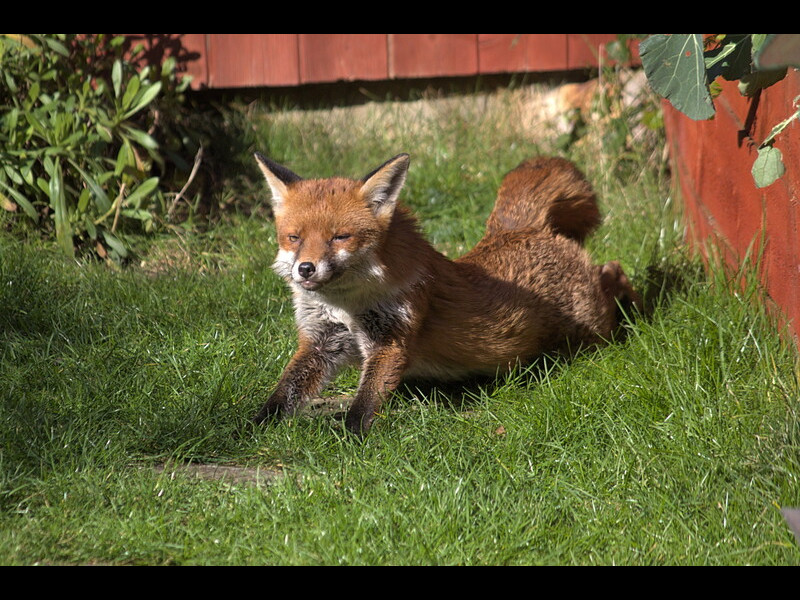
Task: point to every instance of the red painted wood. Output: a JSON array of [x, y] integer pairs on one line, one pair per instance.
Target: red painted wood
[[712, 161], [195, 63], [328, 57], [432, 54], [548, 52], [216, 60], [585, 49], [252, 59], [499, 52], [509, 52]]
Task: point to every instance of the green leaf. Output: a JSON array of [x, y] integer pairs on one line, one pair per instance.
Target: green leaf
[[146, 96], [90, 227], [116, 77], [38, 126], [22, 201], [83, 200], [57, 46], [34, 91], [124, 159], [43, 185], [675, 67], [768, 166], [142, 191], [137, 213], [131, 90], [115, 244], [59, 204], [140, 137], [100, 197], [732, 60], [104, 132], [13, 175]]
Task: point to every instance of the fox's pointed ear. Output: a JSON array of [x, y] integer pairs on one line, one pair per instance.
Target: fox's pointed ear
[[382, 187], [278, 178]]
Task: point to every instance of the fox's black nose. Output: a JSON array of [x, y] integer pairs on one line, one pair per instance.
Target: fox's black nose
[[306, 269]]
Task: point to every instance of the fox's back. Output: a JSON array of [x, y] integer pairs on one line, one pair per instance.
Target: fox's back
[[528, 286], [511, 299]]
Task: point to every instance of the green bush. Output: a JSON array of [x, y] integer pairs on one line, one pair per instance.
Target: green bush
[[78, 150]]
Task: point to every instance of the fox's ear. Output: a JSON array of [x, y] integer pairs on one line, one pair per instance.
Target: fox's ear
[[382, 187], [278, 178]]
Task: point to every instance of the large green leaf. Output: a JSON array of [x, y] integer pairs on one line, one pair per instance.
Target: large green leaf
[[675, 68], [768, 166]]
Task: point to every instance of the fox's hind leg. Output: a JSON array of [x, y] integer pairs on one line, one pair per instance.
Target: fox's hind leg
[[618, 288]]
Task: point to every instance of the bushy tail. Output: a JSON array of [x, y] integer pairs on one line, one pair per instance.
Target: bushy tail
[[546, 193]]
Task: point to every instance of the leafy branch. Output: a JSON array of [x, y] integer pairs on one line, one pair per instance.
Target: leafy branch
[[684, 68], [77, 136]]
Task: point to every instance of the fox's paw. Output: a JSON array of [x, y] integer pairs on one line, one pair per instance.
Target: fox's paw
[[272, 410], [617, 286], [358, 422]]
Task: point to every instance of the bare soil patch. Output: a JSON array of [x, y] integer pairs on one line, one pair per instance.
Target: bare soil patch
[[227, 473]]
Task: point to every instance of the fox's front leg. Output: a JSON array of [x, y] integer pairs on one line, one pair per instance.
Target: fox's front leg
[[382, 373], [318, 358]]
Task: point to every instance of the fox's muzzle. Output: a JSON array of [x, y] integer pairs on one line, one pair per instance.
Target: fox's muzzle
[[306, 269]]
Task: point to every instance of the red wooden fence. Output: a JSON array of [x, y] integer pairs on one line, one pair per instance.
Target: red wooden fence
[[712, 161], [225, 60]]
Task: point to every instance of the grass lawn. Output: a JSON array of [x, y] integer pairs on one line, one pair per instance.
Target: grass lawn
[[678, 445]]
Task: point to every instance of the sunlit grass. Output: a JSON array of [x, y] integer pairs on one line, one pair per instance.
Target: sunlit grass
[[677, 445]]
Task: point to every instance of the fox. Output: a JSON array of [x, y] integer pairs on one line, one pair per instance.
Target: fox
[[370, 290]]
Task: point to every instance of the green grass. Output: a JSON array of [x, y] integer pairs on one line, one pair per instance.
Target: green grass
[[678, 445]]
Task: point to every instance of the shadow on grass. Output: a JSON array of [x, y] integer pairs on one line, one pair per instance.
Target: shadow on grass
[[659, 285]]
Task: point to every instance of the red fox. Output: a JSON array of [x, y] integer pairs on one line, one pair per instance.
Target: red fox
[[369, 289]]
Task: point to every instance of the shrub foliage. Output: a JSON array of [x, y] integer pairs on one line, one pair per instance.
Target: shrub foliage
[[79, 149]]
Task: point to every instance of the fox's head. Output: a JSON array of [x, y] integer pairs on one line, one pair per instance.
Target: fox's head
[[329, 230]]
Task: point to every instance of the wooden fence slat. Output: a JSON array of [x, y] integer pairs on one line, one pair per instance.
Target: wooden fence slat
[[585, 49], [250, 59], [510, 52], [328, 57], [432, 54]]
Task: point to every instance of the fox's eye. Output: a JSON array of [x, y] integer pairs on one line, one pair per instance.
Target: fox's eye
[[341, 237], [292, 237]]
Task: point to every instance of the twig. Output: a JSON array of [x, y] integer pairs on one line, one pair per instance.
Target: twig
[[114, 206], [198, 158], [119, 208]]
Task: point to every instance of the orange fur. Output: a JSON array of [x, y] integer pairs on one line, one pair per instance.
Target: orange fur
[[369, 289]]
